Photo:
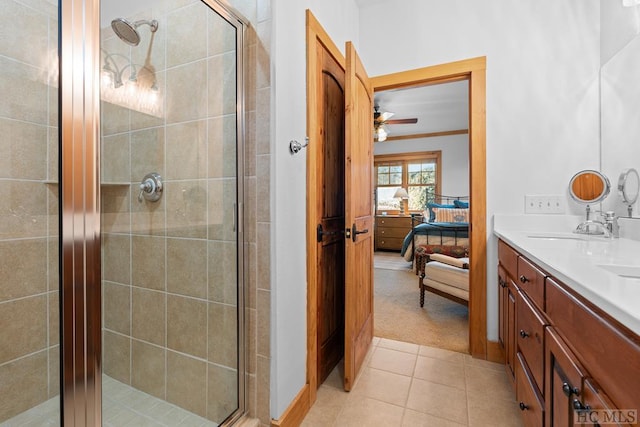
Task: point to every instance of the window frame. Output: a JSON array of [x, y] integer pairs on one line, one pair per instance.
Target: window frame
[[404, 159]]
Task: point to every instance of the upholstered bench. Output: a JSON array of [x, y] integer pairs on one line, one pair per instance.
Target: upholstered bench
[[445, 276]]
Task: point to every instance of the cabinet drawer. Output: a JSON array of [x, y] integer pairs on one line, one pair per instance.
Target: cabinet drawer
[[606, 352], [531, 280], [530, 337], [398, 233], [388, 243], [508, 258], [527, 396], [400, 222]]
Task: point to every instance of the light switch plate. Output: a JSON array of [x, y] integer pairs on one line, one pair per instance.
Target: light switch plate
[[543, 204]]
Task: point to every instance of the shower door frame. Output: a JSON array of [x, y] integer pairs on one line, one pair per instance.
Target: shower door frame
[[80, 231]]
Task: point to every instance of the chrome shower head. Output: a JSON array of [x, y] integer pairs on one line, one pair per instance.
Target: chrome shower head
[[127, 31]]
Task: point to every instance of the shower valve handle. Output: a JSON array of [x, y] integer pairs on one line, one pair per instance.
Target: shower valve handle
[[150, 188]]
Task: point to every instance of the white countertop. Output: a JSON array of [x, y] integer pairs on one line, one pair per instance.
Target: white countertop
[[574, 260]]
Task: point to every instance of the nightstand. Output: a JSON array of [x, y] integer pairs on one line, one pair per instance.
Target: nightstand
[[391, 231]]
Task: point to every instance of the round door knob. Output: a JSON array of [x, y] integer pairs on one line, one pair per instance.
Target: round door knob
[[523, 407], [523, 333], [523, 279]]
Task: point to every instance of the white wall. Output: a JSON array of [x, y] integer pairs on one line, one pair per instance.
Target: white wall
[[455, 158], [289, 281]]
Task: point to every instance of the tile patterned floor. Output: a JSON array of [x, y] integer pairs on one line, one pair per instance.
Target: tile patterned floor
[[123, 406], [406, 384]]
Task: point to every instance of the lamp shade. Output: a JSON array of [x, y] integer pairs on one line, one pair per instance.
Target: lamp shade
[[401, 193]]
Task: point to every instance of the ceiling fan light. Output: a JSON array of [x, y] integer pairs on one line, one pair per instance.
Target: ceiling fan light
[[382, 134]]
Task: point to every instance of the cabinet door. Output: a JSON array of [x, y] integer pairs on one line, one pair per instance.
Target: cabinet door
[[510, 327], [597, 409], [502, 304], [563, 383]]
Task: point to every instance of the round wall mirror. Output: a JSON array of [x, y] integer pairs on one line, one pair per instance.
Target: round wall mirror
[[589, 186], [628, 187]]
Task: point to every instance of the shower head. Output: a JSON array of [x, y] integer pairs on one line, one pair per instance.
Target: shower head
[[128, 32]]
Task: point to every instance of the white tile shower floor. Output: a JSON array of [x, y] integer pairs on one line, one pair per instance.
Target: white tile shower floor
[[122, 406]]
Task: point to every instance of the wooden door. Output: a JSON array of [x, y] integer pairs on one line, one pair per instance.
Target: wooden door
[[358, 216], [330, 208]]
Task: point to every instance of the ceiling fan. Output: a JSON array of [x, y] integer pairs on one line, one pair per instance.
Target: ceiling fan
[[382, 119]]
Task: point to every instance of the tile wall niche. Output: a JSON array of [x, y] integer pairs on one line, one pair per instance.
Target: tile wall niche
[[29, 338], [169, 328]]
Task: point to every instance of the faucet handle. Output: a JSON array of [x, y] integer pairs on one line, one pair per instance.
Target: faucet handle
[[609, 216]]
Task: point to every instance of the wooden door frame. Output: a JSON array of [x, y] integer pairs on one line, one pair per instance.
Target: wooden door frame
[[474, 71]]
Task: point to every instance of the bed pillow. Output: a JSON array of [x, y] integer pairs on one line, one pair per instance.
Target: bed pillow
[[460, 204], [432, 206], [450, 215]]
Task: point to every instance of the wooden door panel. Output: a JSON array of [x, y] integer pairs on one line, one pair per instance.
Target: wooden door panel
[[331, 307], [333, 136], [330, 209], [358, 215]]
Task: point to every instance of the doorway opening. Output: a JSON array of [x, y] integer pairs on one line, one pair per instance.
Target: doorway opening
[[421, 167]]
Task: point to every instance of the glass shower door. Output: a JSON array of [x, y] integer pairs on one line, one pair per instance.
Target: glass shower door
[[171, 247], [29, 226]]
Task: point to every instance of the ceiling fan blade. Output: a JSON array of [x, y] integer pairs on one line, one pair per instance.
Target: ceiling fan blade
[[401, 121], [386, 116]]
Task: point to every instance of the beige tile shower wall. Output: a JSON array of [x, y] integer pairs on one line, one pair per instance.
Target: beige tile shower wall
[[28, 206], [169, 327]]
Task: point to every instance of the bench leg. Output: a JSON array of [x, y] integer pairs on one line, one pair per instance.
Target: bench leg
[[421, 293]]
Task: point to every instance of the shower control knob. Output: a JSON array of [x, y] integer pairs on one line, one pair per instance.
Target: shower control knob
[[150, 187]]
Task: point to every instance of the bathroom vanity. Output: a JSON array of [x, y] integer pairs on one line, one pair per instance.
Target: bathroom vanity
[[569, 323]]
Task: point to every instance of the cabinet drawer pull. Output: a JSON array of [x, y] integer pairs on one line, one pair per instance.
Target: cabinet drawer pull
[[568, 390], [523, 333], [523, 407], [578, 406], [523, 279]]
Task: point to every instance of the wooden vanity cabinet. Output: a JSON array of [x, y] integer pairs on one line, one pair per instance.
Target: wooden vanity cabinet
[[568, 355]]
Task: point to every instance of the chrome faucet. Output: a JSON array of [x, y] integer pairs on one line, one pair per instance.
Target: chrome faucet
[[608, 227], [593, 228], [611, 222]]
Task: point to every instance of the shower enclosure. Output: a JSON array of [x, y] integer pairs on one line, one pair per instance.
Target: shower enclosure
[[121, 207]]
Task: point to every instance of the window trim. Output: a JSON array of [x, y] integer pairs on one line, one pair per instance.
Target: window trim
[[405, 159]]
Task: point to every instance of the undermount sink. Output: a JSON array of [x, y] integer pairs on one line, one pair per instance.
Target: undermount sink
[[566, 236], [626, 271]]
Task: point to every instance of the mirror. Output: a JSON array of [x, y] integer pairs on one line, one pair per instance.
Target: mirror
[[628, 188], [589, 186], [620, 99]]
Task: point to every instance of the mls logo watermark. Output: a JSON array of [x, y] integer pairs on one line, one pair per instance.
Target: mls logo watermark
[[605, 416]]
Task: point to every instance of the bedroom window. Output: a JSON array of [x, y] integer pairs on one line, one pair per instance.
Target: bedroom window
[[418, 173]]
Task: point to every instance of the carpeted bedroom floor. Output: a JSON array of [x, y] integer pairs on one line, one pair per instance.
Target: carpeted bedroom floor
[[398, 315]]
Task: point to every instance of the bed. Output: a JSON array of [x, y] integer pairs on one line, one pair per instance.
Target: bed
[[442, 228]]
